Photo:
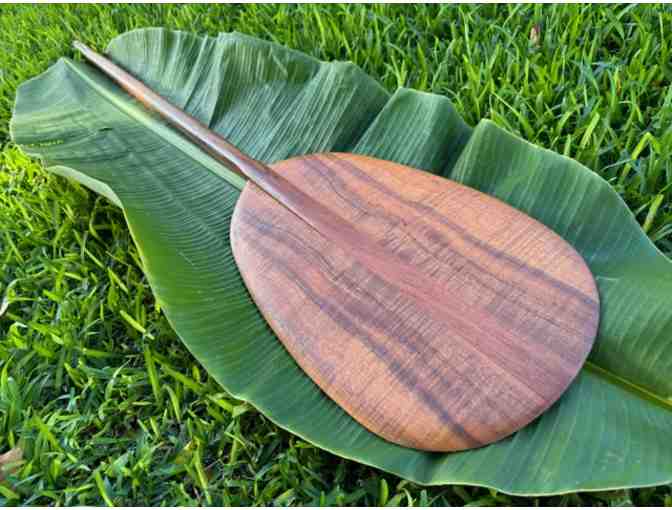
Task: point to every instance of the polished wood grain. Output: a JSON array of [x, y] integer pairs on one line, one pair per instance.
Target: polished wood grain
[[435, 315], [443, 320]]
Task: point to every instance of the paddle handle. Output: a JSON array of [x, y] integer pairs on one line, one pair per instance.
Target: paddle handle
[[214, 144], [284, 192]]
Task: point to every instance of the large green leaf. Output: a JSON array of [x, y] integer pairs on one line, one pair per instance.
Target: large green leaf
[[611, 428]]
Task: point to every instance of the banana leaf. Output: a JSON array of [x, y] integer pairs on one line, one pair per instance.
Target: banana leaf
[[611, 429]]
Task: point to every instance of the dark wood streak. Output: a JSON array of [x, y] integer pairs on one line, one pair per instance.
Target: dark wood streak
[[498, 254], [332, 177]]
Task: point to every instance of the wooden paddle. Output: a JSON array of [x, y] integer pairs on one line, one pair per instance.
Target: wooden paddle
[[438, 317]]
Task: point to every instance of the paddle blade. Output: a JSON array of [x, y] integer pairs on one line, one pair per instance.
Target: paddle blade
[[460, 322]]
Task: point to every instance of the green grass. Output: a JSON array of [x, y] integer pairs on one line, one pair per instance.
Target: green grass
[[107, 404]]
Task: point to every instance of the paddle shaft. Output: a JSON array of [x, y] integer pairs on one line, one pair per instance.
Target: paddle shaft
[[284, 192]]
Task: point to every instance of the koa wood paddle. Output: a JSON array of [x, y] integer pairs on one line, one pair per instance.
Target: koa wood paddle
[[438, 317]]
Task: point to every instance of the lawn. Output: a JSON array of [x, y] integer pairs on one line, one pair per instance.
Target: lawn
[[95, 387]]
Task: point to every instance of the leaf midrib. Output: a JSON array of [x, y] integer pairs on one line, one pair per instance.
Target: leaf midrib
[[628, 385], [167, 133]]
